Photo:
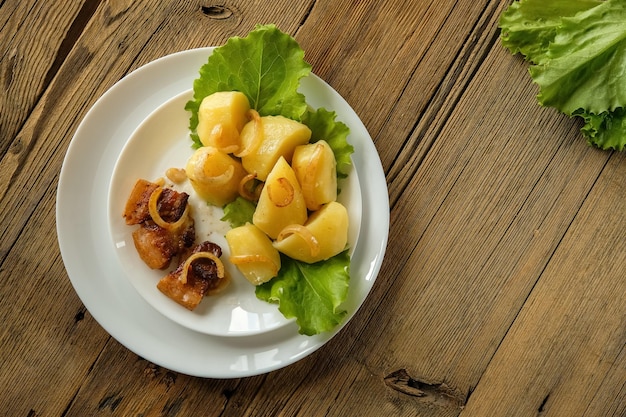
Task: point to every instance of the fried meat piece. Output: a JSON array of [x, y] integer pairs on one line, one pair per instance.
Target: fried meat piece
[[136, 210], [202, 277], [158, 244], [171, 204]]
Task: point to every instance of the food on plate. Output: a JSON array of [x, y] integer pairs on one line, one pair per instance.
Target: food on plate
[[176, 175], [200, 274], [324, 235], [269, 139], [252, 252], [166, 230], [267, 66], [273, 164], [166, 227], [221, 117], [316, 170], [215, 175], [281, 202]]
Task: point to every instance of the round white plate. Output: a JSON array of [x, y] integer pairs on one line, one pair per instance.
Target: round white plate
[[94, 268], [160, 142]]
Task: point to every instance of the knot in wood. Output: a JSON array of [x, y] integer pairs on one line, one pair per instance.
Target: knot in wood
[[217, 12]]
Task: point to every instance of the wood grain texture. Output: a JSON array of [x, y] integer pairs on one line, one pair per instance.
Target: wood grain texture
[[575, 313], [28, 60], [502, 290]]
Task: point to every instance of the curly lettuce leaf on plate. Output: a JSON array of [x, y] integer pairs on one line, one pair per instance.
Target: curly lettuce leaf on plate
[[266, 66], [324, 126], [239, 212], [312, 293]]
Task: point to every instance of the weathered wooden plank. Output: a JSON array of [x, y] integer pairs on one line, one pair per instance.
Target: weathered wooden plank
[[473, 231], [48, 341], [483, 194], [142, 388], [395, 75], [29, 60], [565, 350]]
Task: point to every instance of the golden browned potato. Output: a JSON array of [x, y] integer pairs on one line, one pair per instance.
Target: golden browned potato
[[221, 117], [281, 202], [325, 234], [215, 175], [251, 251], [316, 170], [265, 142]]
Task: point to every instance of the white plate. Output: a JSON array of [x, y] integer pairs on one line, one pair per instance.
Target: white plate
[[96, 273], [160, 142]]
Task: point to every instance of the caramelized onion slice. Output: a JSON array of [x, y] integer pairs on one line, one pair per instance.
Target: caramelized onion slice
[[304, 233], [176, 175], [258, 135], [156, 216], [202, 255], [244, 190], [308, 184], [215, 139], [254, 258], [280, 192]]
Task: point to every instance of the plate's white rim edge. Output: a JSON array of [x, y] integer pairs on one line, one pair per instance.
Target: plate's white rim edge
[[375, 267]]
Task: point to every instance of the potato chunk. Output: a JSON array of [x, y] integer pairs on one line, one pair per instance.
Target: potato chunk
[[281, 202], [221, 117], [316, 170], [214, 175], [279, 138], [326, 235], [251, 251]]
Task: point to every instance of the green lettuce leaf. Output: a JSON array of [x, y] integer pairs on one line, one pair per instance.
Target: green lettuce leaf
[[312, 293], [528, 26], [238, 212], [606, 130], [266, 66], [324, 126], [578, 49], [587, 64]]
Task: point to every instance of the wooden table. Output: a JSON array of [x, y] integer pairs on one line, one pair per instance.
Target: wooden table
[[502, 292]]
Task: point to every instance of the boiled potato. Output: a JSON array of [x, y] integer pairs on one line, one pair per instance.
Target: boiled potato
[[214, 175], [316, 170], [251, 251], [324, 235], [281, 202], [221, 117], [275, 137]]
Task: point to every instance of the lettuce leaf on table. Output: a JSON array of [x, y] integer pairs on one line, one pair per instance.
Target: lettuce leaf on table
[[529, 26], [577, 51], [267, 66]]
